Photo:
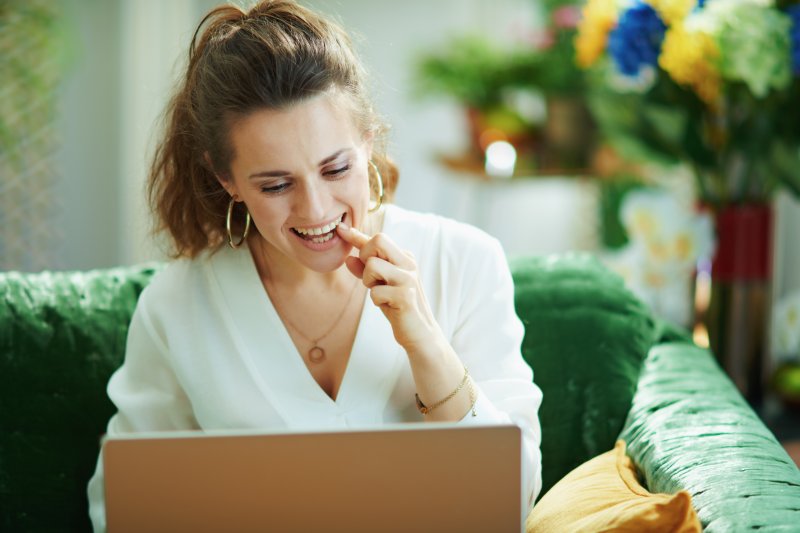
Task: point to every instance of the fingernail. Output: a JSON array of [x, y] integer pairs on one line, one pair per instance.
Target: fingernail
[[343, 226]]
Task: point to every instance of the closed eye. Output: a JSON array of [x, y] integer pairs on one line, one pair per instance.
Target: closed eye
[[275, 189], [337, 171]]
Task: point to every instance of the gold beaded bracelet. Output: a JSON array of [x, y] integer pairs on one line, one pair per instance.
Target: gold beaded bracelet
[[425, 409]]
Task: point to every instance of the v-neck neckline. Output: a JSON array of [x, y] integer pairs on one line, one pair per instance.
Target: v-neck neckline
[[283, 375], [291, 354]]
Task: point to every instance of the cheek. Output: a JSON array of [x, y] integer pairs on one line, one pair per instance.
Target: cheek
[[352, 191], [362, 187], [267, 220]]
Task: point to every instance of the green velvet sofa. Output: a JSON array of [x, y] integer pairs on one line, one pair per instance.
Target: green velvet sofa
[[607, 368]]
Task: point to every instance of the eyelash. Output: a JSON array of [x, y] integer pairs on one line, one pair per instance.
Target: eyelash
[[276, 189], [338, 171], [335, 174]]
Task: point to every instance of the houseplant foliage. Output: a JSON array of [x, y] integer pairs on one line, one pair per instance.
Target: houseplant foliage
[[34, 53], [36, 48], [483, 77], [710, 83], [529, 90]]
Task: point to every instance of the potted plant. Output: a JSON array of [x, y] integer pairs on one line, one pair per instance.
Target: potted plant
[[570, 128], [491, 83], [530, 94]]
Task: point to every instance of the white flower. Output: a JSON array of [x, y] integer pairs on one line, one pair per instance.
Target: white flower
[[667, 238], [673, 235], [786, 326], [642, 82]]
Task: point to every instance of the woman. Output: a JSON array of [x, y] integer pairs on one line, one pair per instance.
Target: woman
[[271, 182]]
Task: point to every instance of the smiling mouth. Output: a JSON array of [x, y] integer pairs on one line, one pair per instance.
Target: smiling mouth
[[319, 234]]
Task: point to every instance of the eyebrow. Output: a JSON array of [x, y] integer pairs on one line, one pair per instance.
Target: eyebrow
[[281, 173]]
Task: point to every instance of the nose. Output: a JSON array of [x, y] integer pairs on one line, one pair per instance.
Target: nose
[[311, 202]]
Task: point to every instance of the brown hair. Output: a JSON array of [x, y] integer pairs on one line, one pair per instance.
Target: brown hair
[[273, 56]]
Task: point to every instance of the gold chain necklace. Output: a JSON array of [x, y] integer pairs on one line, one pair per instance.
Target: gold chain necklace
[[316, 354]]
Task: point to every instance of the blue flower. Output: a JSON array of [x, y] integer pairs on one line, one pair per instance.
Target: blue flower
[[636, 41], [794, 13]]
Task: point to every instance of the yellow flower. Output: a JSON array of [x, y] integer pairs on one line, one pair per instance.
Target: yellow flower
[[599, 17], [690, 59], [683, 246], [657, 250], [672, 11], [654, 279], [643, 223]]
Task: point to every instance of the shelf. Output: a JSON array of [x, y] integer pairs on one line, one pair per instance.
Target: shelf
[[473, 166]]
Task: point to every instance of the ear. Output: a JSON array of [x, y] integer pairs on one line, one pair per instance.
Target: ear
[[227, 183], [229, 186]]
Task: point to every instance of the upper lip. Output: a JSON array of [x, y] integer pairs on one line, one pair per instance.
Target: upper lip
[[308, 229]]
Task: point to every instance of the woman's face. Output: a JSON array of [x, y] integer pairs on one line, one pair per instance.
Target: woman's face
[[300, 171]]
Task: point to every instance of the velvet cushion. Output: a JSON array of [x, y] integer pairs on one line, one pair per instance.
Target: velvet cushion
[[586, 337], [61, 336], [604, 494]]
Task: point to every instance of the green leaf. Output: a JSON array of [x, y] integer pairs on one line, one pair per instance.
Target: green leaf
[[667, 122], [624, 124], [785, 165]]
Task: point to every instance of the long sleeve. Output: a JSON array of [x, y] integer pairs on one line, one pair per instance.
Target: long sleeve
[[488, 338], [147, 395]]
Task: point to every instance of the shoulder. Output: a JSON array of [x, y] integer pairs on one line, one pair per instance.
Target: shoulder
[[178, 282]]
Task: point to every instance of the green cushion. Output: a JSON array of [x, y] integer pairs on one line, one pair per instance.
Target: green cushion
[[586, 336], [689, 428], [61, 337]]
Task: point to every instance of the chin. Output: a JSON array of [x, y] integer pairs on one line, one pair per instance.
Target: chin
[[321, 258], [328, 262]]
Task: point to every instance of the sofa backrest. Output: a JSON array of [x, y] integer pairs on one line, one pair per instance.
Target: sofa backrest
[[63, 334], [586, 337]]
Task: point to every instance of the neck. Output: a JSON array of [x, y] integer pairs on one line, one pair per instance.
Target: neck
[[281, 270]]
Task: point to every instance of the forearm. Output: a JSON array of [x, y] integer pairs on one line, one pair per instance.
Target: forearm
[[438, 372]]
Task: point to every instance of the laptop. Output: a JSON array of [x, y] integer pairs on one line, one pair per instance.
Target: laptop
[[409, 477]]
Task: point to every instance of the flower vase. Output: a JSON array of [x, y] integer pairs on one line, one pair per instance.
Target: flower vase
[[569, 135], [738, 313]]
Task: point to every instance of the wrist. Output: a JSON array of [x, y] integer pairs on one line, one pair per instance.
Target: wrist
[[466, 384], [430, 350]]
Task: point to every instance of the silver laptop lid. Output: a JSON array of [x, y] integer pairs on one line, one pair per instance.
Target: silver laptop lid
[[411, 477]]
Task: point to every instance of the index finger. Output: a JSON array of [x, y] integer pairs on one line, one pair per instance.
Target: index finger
[[351, 235]]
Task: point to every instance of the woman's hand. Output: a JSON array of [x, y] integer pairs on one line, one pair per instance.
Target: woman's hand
[[391, 275], [392, 278]]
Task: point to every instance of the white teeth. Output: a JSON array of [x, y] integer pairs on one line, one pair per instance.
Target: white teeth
[[320, 231], [320, 240]]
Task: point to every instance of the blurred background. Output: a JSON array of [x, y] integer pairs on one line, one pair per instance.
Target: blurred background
[[551, 124]]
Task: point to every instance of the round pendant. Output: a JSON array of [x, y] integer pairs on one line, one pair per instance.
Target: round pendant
[[316, 354]]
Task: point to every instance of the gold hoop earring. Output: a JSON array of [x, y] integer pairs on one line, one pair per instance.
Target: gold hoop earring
[[379, 203], [232, 244]]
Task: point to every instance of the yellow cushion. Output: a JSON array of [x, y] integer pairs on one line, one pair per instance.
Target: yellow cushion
[[604, 494]]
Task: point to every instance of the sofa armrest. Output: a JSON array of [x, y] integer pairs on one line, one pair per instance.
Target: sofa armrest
[[689, 428]]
